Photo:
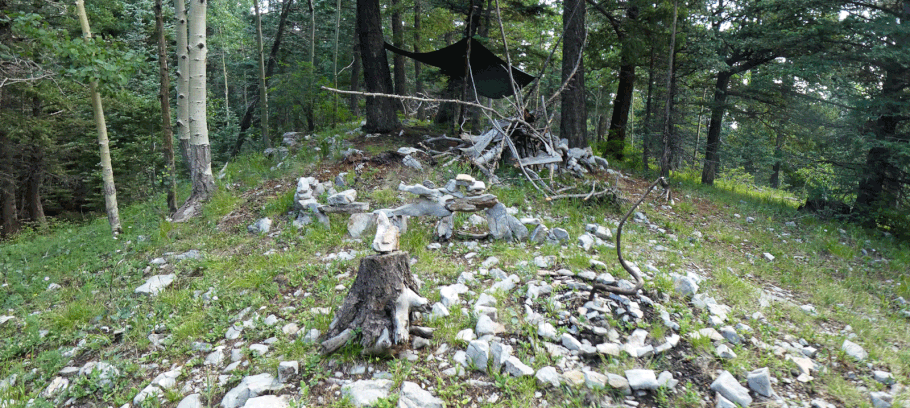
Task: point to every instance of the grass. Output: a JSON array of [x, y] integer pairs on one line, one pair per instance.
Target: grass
[[816, 262]]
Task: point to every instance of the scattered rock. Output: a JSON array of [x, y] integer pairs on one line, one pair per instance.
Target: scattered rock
[[547, 376], [365, 393], [262, 226], [642, 379], [412, 396], [514, 367], [854, 350], [760, 381], [156, 284], [727, 386]]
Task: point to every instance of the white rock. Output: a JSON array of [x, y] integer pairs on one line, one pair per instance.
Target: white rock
[[478, 354], [760, 381], [364, 393], [547, 376], [595, 380], [514, 367], [854, 350], [546, 330], [731, 389], [156, 284], [386, 239], [642, 379], [499, 354], [486, 325], [268, 401], [724, 352], [150, 392], [412, 396], [570, 342], [768, 256], [190, 401]]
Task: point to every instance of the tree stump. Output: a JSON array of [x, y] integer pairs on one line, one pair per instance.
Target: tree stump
[[379, 304]]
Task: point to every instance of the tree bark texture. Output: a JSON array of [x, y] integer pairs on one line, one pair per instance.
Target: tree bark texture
[[573, 124], [718, 108], [263, 89], [418, 81], [356, 74], [164, 97], [398, 60], [35, 180], [107, 172], [646, 133], [380, 113], [371, 303], [199, 152], [622, 104], [10, 216], [668, 126], [183, 82]]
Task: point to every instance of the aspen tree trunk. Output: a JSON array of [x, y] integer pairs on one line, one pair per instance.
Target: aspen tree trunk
[[183, 83], [199, 150], [107, 172], [164, 95], [263, 94]]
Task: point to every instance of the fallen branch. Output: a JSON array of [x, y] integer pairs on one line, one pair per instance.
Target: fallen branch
[[411, 98], [625, 265]]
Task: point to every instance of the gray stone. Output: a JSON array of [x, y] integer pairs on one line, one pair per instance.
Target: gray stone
[[768, 256], [514, 367], [156, 284], [386, 239], [486, 325], [570, 342], [499, 354], [620, 383], [290, 329], [685, 286], [344, 197], [444, 229], [268, 401], [586, 242], [478, 354], [573, 378], [365, 393], [854, 350], [723, 351], [167, 380], [612, 349], [730, 334], [504, 226], [190, 401], [731, 389], [362, 224], [666, 380], [760, 381], [439, 311], [881, 399], [411, 162], [106, 372], [722, 402], [287, 370], [150, 392], [260, 349], [311, 336], [262, 226], [421, 208], [545, 261], [412, 396], [595, 380], [539, 235], [883, 377], [559, 234], [547, 376], [191, 254], [546, 330], [421, 190], [56, 385], [466, 335], [642, 379]]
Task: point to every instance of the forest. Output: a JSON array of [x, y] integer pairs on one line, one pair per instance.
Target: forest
[[454, 203], [807, 97]]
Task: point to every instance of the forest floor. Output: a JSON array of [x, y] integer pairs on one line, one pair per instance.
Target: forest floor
[[790, 287]]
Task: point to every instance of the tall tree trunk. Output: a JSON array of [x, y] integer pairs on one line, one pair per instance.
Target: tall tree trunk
[[418, 81], [573, 123], [381, 116], [34, 208], [8, 213], [107, 172], [398, 60], [309, 109], [778, 152], [164, 97], [200, 151], [247, 120], [263, 89], [355, 76], [880, 186], [646, 134], [698, 128], [622, 104], [183, 83], [665, 157], [718, 108]]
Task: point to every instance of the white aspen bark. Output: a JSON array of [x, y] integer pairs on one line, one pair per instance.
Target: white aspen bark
[[183, 84], [200, 152], [107, 172]]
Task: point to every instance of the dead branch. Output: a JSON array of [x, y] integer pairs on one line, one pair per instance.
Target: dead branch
[[625, 265], [411, 98]]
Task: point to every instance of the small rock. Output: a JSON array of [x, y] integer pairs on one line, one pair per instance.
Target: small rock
[[724, 352], [573, 378], [547, 376], [642, 379], [287, 370], [365, 393], [156, 284], [190, 401], [760, 381], [594, 380], [768, 256], [731, 389], [514, 367], [883, 377], [262, 226], [478, 354], [386, 239], [854, 350], [412, 396], [881, 399]]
